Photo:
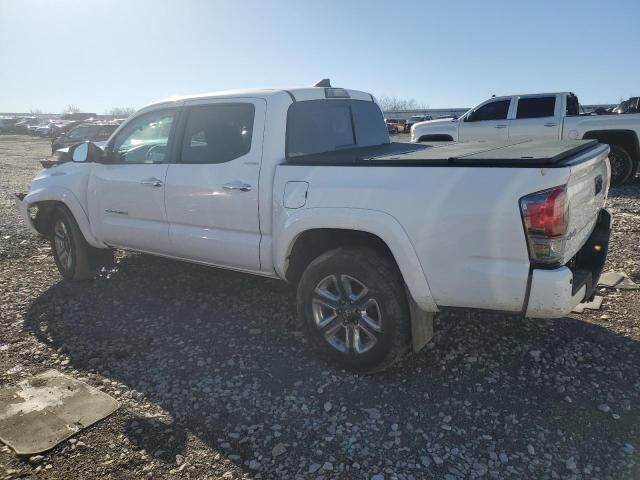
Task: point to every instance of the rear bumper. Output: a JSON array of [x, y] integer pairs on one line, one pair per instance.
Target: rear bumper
[[555, 293]]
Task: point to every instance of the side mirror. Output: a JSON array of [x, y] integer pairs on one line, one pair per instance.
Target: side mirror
[[85, 152]]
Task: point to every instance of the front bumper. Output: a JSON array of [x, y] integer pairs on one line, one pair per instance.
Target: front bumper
[[23, 209], [555, 293]]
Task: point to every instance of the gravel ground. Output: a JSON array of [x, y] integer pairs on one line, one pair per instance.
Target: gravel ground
[[216, 380]]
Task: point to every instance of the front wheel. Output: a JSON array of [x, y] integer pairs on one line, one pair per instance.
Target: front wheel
[[74, 257], [354, 309], [622, 165]]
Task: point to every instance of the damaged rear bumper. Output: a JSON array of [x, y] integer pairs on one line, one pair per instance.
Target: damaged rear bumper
[[555, 293]]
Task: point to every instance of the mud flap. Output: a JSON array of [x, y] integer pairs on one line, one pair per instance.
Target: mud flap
[[421, 326]]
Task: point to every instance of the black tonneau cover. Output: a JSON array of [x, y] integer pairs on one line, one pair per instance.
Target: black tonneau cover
[[520, 153]]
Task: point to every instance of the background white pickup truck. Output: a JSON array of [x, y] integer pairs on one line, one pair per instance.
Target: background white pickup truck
[[303, 185], [543, 115]]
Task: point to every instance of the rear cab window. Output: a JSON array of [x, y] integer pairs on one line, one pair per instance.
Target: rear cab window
[[536, 107], [320, 126]]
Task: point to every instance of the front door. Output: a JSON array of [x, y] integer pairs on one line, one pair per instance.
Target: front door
[[126, 192], [486, 122], [212, 188]]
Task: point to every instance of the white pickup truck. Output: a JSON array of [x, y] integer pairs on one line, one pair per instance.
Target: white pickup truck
[[542, 115], [304, 185]]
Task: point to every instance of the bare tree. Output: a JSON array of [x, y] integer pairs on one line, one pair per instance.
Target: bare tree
[[120, 111], [71, 108], [394, 104], [35, 111]]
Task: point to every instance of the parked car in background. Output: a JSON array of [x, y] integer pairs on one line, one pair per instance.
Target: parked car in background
[[415, 119], [62, 126], [78, 116], [25, 123], [304, 185], [395, 125], [8, 124], [631, 105], [392, 126], [43, 129], [95, 132], [543, 115]]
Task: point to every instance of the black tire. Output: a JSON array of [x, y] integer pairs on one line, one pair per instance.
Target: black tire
[[383, 313], [75, 258], [634, 170], [622, 165]]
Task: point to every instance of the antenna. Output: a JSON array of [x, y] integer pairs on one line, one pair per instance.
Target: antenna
[[325, 82]]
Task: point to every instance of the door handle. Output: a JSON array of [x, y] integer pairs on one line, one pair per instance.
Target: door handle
[[243, 187], [500, 126], [550, 124], [153, 182]]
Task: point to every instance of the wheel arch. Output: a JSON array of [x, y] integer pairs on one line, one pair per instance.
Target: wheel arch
[[627, 139], [433, 137], [311, 232], [52, 197]]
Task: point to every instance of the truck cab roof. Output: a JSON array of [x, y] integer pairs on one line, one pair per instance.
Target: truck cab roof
[[541, 94], [295, 93]]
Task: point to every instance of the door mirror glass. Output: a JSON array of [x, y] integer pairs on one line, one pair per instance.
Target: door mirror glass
[[80, 152], [85, 152]]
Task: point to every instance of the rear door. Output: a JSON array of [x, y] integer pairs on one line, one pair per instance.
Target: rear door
[[488, 121], [212, 188], [536, 116]]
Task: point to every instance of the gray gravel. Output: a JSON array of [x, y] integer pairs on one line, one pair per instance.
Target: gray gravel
[[217, 381]]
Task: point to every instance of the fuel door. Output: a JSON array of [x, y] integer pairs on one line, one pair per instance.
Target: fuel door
[[295, 194]]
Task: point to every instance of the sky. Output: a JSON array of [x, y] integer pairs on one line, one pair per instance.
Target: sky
[[127, 53]]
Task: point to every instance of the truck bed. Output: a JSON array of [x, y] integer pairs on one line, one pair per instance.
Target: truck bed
[[508, 153], [464, 223]]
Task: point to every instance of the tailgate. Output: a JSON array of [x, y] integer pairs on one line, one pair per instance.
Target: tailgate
[[587, 191]]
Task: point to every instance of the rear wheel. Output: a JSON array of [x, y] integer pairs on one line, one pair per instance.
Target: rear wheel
[[354, 310], [622, 165], [74, 257]]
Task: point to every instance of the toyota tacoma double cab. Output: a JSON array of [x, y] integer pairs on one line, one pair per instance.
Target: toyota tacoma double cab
[[304, 185], [538, 116]]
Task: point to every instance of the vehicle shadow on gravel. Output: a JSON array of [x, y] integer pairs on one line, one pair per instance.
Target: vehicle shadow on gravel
[[222, 353]]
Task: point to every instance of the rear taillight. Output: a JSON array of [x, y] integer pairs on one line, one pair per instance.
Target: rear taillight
[[546, 219]]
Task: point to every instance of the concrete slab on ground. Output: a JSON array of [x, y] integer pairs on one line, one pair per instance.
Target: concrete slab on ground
[[594, 304], [40, 412], [617, 280]]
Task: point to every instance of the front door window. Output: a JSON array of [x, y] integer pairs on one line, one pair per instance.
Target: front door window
[[144, 139]]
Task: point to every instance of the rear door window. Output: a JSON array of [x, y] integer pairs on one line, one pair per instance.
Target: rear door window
[[536, 107], [218, 133], [317, 126]]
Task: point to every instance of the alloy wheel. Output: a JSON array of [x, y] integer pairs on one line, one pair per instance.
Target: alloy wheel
[[346, 314], [62, 245]]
